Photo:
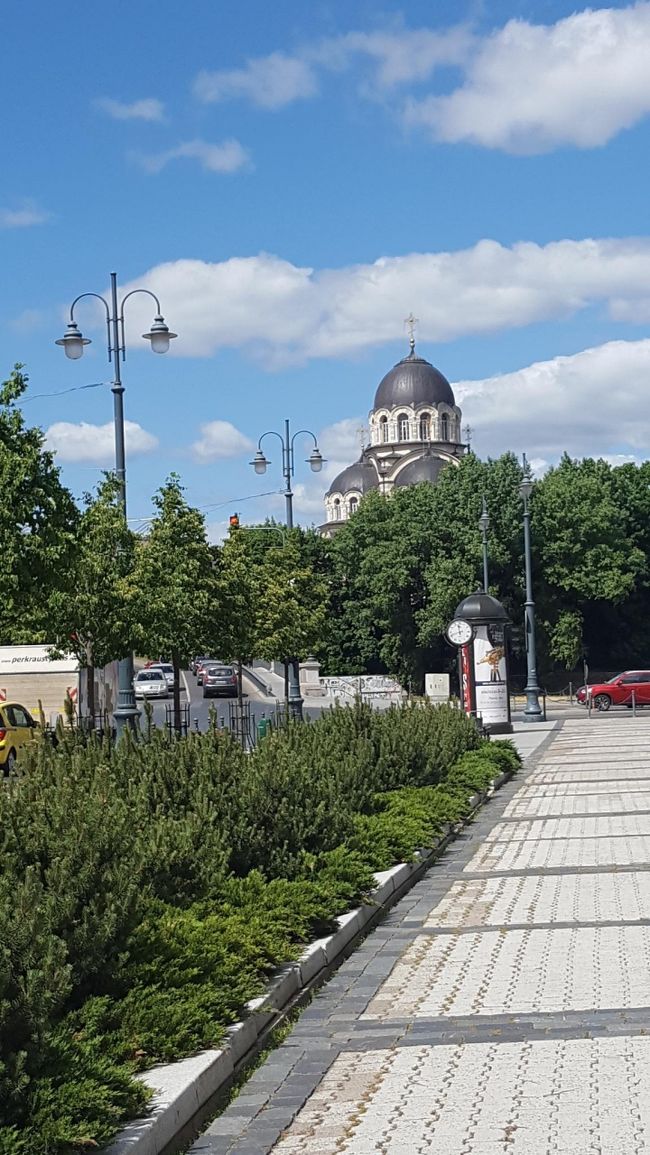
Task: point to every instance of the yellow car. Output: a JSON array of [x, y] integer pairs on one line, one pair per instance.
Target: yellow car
[[16, 730]]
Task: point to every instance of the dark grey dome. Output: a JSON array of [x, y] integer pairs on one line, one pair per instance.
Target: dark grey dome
[[426, 468], [413, 381], [480, 607], [362, 476]]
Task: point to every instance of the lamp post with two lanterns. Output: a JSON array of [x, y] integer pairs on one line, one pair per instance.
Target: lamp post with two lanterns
[[315, 461], [260, 464], [126, 714], [533, 711]]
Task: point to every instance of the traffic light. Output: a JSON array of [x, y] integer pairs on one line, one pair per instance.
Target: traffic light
[[234, 521]]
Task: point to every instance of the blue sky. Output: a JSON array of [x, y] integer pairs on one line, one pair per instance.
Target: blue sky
[[292, 180]]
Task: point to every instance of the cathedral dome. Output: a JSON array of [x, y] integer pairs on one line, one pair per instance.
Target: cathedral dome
[[413, 381], [361, 476], [427, 468]]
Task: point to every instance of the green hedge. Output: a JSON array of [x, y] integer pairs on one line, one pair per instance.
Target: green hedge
[[147, 892]]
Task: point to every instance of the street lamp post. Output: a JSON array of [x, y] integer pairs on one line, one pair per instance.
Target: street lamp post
[[126, 713], [260, 464], [315, 460], [533, 711], [484, 524]]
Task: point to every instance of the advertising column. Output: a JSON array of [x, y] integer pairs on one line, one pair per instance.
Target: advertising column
[[465, 656], [490, 676]]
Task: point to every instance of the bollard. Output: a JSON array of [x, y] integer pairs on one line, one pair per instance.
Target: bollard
[[571, 693], [634, 703], [196, 724], [589, 701]]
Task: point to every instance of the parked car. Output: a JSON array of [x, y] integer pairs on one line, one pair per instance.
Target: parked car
[[618, 691], [219, 681], [150, 684], [167, 672], [16, 731]]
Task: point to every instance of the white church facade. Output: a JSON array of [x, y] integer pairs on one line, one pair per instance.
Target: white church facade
[[414, 433]]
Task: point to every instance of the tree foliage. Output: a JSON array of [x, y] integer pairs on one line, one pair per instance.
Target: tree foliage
[[172, 590], [38, 520]]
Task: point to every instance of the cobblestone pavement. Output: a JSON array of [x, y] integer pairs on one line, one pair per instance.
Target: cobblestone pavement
[[503, 1006]]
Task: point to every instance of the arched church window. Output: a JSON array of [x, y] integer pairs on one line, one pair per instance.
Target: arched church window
[[402, 427], [444, 427], [337, 509], [383, 429], [425, 427], [354, 504]]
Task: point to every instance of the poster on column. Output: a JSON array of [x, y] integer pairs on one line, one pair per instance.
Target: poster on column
[[490, 678]]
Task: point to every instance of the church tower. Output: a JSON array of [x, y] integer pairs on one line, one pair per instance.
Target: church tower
[[415, 431]]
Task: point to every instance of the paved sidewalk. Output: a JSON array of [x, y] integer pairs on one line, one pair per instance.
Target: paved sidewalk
[[503, 1006]]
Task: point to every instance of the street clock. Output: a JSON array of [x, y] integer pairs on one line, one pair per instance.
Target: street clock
[[459, 632]]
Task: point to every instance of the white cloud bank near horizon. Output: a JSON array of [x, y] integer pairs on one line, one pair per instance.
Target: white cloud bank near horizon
[[280, 313], [83, 442], [589, 404]]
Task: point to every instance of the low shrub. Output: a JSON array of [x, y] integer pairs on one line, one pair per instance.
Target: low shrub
[[147, 891]]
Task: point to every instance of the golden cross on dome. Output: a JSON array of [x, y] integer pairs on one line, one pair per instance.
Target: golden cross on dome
[[410, 323]]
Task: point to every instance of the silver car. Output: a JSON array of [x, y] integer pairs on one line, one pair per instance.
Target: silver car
[[167, 672], [150, 684], [219, 681]]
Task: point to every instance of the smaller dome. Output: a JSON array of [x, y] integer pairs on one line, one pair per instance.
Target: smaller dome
[[361, 476], [426, 468]]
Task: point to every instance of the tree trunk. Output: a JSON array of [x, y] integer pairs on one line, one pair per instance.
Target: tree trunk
[[90, 685], [90, 695], [177, 693], [240, 685]]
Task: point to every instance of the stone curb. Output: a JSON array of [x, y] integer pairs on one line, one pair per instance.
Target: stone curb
[[184, 1087]]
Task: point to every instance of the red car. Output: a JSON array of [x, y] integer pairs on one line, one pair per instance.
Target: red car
[[618, 691]]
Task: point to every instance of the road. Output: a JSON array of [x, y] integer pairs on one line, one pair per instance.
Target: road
[[200, 707]]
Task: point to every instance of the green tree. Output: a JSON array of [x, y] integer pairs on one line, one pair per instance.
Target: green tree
[[92, 613], [291, 604], [587, 559], [38, 519], [237, 598], [173, 587], [274, 602]]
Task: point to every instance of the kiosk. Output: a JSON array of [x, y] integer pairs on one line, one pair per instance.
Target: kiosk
[[480, 631]]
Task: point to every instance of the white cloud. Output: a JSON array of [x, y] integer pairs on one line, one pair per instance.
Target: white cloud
[[266, 81], [24, 217], [530, 88], [227, 157], [524, 87], [340, 444], [401, 55], [281, 312], [95, 444], [29, 320], [220, 439], [147, 109], [591, 403]]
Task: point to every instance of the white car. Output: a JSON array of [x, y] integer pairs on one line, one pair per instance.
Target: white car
[[167, 672], [150, 684]]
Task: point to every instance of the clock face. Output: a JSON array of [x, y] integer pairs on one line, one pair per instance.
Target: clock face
[[459, 632]]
